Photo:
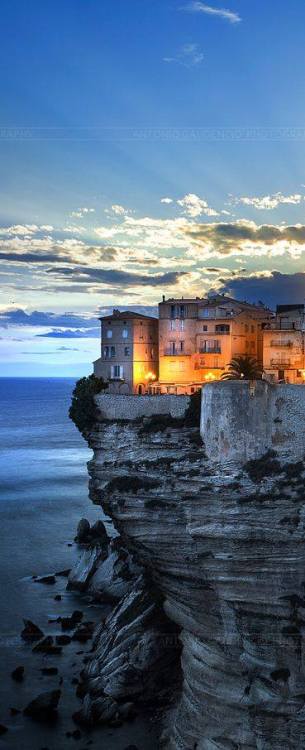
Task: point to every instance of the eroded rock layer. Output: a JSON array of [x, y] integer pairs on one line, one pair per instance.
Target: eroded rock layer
[[227, 553]]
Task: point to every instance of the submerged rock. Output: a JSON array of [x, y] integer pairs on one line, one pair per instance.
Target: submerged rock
[[44, 707], [31, 632], [18, 674]]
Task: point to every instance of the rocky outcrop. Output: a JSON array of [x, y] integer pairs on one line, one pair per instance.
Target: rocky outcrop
[[224, 548]]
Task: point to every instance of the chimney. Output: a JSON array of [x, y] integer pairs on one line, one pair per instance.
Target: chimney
[[163, 298]]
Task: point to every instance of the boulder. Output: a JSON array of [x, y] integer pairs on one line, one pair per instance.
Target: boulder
[[98, 531], [83, 531], [18, 674], [48, 580], [84, 569], [46, 646], [107, 584], [44, 707], [31, 632]]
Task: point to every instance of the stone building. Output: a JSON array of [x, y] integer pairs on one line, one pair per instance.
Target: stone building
[[199, 337], [129, 352], [283, 345]]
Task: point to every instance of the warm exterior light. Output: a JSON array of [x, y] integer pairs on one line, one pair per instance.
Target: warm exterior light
[[150, 376], [210, 376], [303, 374]]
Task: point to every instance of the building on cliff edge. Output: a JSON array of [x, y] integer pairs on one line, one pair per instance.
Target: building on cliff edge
[[129, 352]]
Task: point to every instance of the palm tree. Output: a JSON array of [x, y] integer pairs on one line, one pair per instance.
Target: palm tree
[[243, 367]]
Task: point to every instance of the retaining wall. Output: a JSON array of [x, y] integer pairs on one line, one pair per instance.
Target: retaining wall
[[242, 420], [116, 407]]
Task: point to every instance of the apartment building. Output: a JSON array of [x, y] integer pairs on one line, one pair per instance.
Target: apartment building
[[129, 352], [283, 345], [199, 337]]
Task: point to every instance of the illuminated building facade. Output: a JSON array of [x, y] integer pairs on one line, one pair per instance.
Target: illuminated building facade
[[283, 345], [199, 337], [129, 352]]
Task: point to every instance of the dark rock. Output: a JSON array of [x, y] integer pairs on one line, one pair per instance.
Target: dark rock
[[63, 640], [44, 707], [63, 573], [18, 674], [74, 681], [131, 747], [49, 671], [69, 623], [31, 632], [103, 710], [46, 646], [127, 711], [48, 580], [85, 567], [14, 711], [77, 735], [84, 632], [98, 531], [83, 530], [3, 729], [58, 598]]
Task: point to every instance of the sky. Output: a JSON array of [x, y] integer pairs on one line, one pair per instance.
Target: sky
[[146, 148]]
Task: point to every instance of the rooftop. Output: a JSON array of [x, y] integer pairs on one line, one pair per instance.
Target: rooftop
[[127, 315]]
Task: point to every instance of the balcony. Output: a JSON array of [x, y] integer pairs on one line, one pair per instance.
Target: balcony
[[280, 363], [214, 350], [169, 352], [281, 344]]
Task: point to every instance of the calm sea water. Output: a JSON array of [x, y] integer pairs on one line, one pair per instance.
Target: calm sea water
[[43, 494], [42, 454]]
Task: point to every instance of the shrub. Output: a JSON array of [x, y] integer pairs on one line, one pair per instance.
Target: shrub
[[83, 410], [258, 468]]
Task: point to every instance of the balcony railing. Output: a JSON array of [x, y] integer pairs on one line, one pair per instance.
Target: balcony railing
[[281, 344], [280, 363], [169, 352], [214, 350]]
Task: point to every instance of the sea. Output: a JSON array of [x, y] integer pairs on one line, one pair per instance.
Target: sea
[[43, 495]]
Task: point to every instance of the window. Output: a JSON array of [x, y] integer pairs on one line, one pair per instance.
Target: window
[[204, 328], [152, 353], [125, 333], [210, 346], [172, 347], [172, 325], [117, 372], [127, 351], [252, 344], [252, 329], [109, 333], [222, 328], [181, 325], [182, 311], [109, 352], [172, 312], [246, 327], [182, 346]]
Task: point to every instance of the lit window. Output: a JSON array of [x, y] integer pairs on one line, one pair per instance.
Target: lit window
[[125, 333], [109, 334]]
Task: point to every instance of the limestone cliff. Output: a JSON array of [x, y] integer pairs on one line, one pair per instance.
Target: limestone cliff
[[223, 545]]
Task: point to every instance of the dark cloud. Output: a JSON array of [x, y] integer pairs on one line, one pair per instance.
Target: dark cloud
[[89, 333], [44, 319], [226, 237], [11, 257], [83, 274], [279, 288]]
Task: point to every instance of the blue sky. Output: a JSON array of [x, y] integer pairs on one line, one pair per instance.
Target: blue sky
[[146, 148]]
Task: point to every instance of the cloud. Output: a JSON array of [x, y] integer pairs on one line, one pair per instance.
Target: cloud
[[268, 202], [81, 212], [194, 206], [245, 237], [272, 288], [86, 274], [117, 210], [167, 200], [19, 317], [68, 333], [226, 15], [189, 55], [20, 229]]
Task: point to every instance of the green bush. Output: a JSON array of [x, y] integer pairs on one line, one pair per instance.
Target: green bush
[[83, 410]]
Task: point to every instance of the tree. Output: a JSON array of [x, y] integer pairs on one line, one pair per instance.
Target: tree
[[243, 367], [83, 410]]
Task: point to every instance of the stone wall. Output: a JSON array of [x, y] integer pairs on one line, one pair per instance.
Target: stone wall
[[243, 420], [129, 408]]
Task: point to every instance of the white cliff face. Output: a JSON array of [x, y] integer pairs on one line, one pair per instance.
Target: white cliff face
[[227, 555]]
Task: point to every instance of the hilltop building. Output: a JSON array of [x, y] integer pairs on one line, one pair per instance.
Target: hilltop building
[[129, 352], [283, 345], [199, 337]]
